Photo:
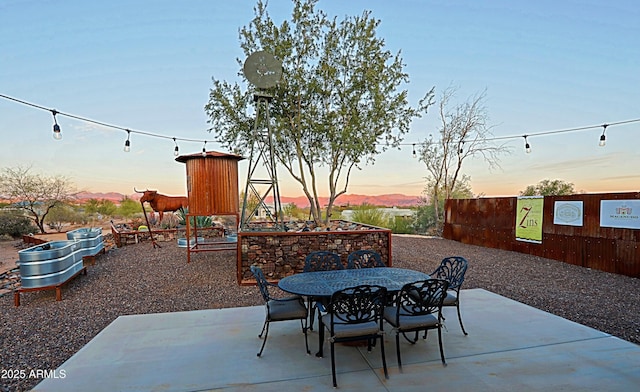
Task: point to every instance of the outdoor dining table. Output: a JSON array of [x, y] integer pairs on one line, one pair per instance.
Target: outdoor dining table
[[322, 284], [325, 283]]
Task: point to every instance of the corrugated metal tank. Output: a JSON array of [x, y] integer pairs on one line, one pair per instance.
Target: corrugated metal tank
[[212, 183]]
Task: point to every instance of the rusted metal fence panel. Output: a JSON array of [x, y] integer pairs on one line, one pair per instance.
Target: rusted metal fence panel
[[490, 222]]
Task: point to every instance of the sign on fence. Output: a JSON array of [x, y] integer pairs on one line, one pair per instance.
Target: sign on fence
[[569, 213], [529, 218], [621, 213]]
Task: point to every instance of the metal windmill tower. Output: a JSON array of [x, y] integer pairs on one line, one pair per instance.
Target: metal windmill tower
[[262, 70]]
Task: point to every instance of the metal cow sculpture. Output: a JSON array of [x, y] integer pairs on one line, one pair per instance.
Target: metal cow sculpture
[[162, 203]]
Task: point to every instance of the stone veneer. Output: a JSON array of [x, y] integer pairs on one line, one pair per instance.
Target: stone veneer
[[280, 254]]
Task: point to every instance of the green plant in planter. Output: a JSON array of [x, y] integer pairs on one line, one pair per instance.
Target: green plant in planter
[[199, 221], [136, 222], [169, 221]]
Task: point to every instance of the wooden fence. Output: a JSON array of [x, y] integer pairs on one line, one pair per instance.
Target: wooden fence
[[491, 222]]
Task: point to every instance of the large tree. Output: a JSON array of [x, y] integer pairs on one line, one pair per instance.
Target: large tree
[[35, 193], [338, 105], [463, 133]]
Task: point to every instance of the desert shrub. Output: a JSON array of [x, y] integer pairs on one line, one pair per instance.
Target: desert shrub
[[169, 221], [128, 207], [199, 221], [153, 219], [15, 224], [293, 212], [401, 225], [136, 222], [102, 207], [370, 215], [425, 221], [61, 214]]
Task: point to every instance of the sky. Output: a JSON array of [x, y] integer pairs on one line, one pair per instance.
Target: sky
[[544, 66]]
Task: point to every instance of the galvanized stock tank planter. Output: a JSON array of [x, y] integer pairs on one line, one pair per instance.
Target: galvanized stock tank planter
[[49, 264], [89, 240]]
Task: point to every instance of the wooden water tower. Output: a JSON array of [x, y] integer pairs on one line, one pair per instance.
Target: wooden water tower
[[212, 183], [212, 188]]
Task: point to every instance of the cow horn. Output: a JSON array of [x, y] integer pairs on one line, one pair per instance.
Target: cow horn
[[137, 191]]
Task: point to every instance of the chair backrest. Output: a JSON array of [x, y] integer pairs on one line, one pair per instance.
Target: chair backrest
[[364, 258], [261, 280], [356, 305], [452, 269], [322, 260], [421, 297]]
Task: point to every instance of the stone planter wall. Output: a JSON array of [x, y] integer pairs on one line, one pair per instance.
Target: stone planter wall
[[280, 254], [124, 237]]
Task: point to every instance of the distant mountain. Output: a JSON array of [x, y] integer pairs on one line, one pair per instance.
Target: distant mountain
[[390, 200]]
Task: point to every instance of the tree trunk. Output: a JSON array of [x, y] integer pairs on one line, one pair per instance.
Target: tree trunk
[[40, 224]]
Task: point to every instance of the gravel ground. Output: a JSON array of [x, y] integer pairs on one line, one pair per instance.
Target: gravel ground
[[42, 333]]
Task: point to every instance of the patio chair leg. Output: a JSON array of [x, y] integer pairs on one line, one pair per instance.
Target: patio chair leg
[[306, 340], [460, 319], [441, 349], [320, 352], [333, 365], [384, 358], [412, 341], [265, 329], [398, 350], [312, 313]]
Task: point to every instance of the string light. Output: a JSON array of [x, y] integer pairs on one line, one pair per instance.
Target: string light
[[176, 151], [127, 143], [204, 149], [414, 150], [129, 131], [461, 150], [603, 138], [57, 134], [527, 147]]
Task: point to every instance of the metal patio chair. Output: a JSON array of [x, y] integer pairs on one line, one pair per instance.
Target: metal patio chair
[[279, 309], [321, 260], [452, 269], [354, 314], [418, 307], [364, 258]]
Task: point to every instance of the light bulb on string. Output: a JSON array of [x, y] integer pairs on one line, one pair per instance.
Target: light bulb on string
[[414, 150], [204, 149], [176, 150], [57, 134], [603, 138], [527, 147], [127, 143]]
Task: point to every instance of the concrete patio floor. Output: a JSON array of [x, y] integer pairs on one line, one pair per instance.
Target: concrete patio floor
[[510, 346]]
